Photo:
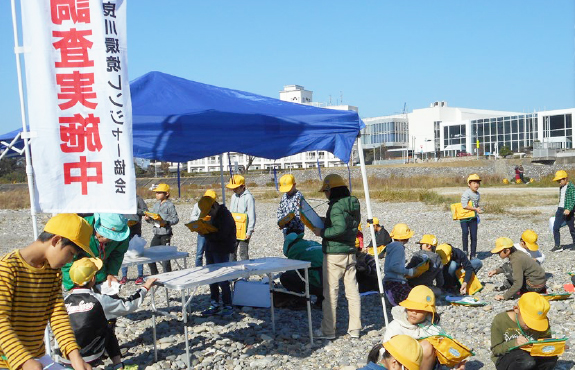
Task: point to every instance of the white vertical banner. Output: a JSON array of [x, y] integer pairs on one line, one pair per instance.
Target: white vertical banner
[[79, 107]]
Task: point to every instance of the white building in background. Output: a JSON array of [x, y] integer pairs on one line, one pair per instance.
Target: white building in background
[[294, 94], [452, 130]]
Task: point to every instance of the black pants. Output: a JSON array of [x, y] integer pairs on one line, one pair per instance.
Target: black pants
[[520, 359], [292, 282], [166, 265], [559, 219], [112, 345]]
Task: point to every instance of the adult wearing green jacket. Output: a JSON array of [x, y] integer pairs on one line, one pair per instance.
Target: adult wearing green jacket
[[297, 248], [564, 214], [109, 243], [338, 245]]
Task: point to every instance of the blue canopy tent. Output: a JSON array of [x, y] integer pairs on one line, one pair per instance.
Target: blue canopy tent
[[178, 120]]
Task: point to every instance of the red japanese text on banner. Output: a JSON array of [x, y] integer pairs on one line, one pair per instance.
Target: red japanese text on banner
[[79, 107]]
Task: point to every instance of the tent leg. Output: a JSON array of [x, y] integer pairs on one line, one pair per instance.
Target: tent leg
[[371, 229], [179, 187], [222, 179]]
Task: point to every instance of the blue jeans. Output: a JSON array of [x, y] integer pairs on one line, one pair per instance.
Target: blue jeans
[[140, 271], [475, 263], [211, 258], [200, 250], [469, 228], [559, 219]]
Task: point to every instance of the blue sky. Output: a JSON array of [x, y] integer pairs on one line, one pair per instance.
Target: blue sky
[[514, 55]]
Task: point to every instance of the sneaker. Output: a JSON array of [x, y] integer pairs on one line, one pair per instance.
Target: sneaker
[[123, 280], [227, 311], [318, 334], [354, 333], [557, 248], [140, 280], [212, 310]]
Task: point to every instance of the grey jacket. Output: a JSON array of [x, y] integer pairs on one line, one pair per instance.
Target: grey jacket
[[167, 211], [394, 265], [195, 213], [245, 203]]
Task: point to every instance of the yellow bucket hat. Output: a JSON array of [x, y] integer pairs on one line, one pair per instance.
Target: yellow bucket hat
[[406, 350], [428, 239], [286, 182], [210, 193], [236, 181], [375, 221], [332, 181], [420, 298], [205, 204], [73, 227], [473, 177], [401, 232], [530, 239], [162, 188], [444, 250], [533, 308], [84, 269], [501, 244], [560, 175]]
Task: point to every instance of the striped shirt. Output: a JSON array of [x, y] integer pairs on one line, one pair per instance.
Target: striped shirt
[[29, 298]]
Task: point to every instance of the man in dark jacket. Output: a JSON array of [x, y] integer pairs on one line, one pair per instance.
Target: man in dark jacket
[[339, 261], [219, 245]]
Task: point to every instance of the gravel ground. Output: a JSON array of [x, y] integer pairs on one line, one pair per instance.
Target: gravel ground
[[245, 340]]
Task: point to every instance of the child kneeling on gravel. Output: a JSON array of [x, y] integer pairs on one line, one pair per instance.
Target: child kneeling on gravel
[[90, 313], [400, 352], [416, 316], [525, 322], [427, 246], [454, 259], [523, 273]]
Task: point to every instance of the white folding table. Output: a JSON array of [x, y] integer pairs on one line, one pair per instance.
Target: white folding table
[[190, 279], [158, 253]]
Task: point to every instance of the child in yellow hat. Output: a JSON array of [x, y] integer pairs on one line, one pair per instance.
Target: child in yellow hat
[[427, 246], [564, 213], [90, 312], [290, 203], [522, 272], [454, 259], [400, 352], [528, 244], [527, 321], [162, 229], [470, 201], [394, 281]]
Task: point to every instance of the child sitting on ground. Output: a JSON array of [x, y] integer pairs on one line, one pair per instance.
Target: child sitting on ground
[[523, 273], [416, 316], [89, 312], [428, 243], [394, 282], [528, 244], [454, 259], [525, 322], [400, 352]]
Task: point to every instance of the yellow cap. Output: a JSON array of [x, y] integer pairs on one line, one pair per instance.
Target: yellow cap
[[501, 244], [210, 193], [406, 350], [444, 251], [473, 177], [73, 227], [401, 232], [560, 175], [359, 227], [205, 204], [84, 269], [162, 188], [236, 181], [533, 308], [530, 239], [332, 181], [428, 239], [375, 221], [420, 298], [286, 182]]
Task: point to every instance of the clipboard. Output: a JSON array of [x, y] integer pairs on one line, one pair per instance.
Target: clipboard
[[201, 227], [309, 216], [545, 347]]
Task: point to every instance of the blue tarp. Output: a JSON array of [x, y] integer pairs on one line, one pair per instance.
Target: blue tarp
[[177, 120]]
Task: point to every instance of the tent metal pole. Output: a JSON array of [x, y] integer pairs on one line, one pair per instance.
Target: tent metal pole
[[26, 137], [222, 179], [371, 228], [11, 146]]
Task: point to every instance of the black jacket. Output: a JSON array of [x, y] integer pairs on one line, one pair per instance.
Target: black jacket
[[461, 260], [223, 240]]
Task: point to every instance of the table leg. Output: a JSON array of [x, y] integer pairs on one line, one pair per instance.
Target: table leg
[[154, 323], [185, 263], [306, 272], [185, 319], [272, 303]]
